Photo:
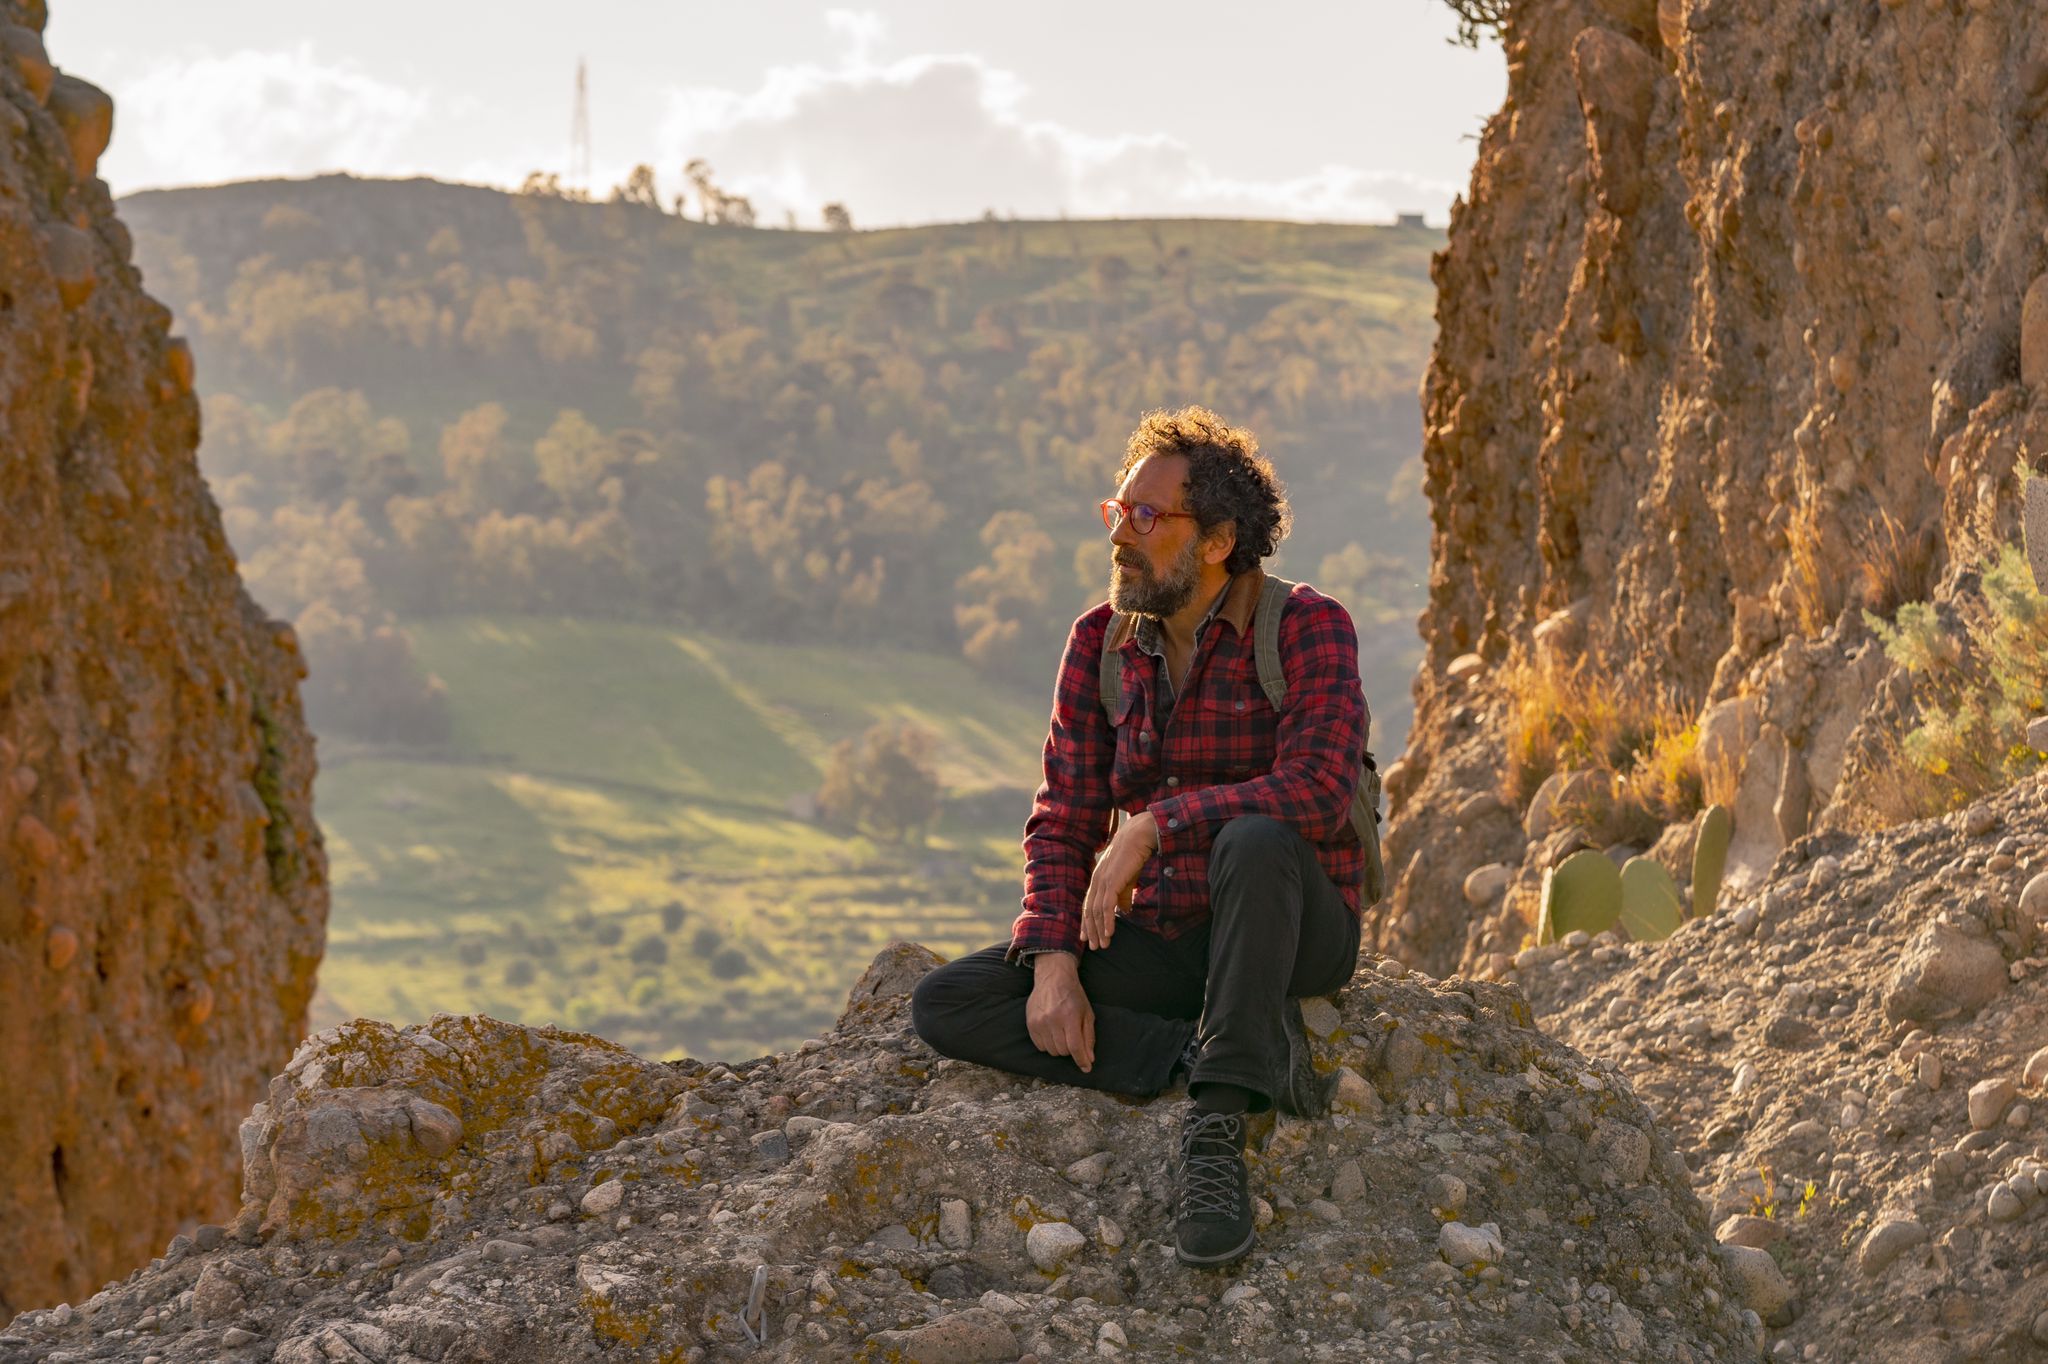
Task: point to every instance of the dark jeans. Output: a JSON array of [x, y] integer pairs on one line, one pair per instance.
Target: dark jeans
[[1277, 928]]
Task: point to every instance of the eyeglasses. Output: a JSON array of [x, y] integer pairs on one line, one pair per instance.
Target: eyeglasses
[[1142, 516]]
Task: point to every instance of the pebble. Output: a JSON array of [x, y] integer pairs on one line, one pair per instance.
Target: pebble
[[772, 1147], [2035, 1073], [1785, 1030], [1743, 1229], [1988, 1100], [1447, 1194], [1354, 1095], [1462, 1246], [1928, 1068], [1349, 1184], [956, 1224], [1886, 1242], [234, 1338], [1758, 1282], [1238, 1292], [1320, 1016], [605, 1198], [1745, 1079], [2003, 1204], [1325, 1209], [1052, 1244], [1089, 1171], [1109, 1232]]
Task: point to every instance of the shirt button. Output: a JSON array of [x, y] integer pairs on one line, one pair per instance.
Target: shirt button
[[1173, 823], [1173, 781], [1240, 705], [1169, 871]]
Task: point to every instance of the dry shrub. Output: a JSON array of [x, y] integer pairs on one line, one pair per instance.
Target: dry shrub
[[1898, 565], [1893, 789], [1583, 717], [1818, 590]]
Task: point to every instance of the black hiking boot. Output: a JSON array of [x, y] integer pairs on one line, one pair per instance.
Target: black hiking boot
[[1302, 1092], [1212, 1213], [1184, 1064]]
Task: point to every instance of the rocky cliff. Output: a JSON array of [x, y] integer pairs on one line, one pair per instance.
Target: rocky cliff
[[162, 885], [1742, 327]]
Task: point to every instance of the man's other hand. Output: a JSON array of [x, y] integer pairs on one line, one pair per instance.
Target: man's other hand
[[1060, 1019], [1115, 874]]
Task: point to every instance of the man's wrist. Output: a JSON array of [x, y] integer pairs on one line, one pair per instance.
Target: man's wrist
[[1031, 959]]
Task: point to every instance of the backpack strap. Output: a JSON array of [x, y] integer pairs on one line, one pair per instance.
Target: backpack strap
[[1273, 594], [1110, 671]]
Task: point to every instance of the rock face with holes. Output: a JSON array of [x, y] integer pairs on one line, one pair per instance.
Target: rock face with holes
[[469, 1190], [162, 885], [1744, 328]]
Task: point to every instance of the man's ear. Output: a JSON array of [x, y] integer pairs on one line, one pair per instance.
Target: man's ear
[[1218, 544]]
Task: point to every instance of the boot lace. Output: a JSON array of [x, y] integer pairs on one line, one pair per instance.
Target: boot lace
[[1209, 1145]]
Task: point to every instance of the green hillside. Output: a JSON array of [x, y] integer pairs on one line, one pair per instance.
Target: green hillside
[[510, 464], [599, 773]]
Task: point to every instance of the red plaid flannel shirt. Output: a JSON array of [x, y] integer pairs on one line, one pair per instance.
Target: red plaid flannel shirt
[[1223, 753]]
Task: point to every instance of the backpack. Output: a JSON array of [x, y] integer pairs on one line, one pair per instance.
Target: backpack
[[1365, 800]]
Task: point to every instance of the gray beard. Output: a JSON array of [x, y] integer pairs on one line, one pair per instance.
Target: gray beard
[[1135, 593]]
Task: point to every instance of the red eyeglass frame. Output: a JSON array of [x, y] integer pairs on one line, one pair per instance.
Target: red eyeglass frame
[[1123, 512]]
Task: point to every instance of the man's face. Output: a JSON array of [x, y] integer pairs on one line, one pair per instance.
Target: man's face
[[1155, 574]]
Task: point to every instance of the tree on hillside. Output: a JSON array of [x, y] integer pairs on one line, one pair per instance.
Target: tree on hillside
[[574, 459], [837, 219], [638, 189], [363, 680], [884, 784], [483, 470], [1001, 606], [715, 205]]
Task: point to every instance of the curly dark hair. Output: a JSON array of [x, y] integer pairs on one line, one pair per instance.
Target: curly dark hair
[[1229, 481]]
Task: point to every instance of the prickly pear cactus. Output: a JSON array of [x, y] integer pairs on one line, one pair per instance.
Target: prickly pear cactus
[[1583, 891], [1710, 858], [1650, 908]]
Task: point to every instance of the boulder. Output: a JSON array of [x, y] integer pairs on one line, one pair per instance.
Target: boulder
[[1951, 968], [1485, 884], [1560, 798], [1887, 1241], [24, 47], [86, 114], [1758, 1283]]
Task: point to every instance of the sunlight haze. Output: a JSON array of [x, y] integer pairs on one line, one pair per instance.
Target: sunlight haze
[[910, 111]]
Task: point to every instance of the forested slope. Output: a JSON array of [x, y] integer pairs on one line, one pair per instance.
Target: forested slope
[[424, 399]]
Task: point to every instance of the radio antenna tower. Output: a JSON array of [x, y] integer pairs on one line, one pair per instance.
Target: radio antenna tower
[[579, 131]]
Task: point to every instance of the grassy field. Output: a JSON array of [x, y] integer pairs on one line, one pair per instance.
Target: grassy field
[[608, 842]]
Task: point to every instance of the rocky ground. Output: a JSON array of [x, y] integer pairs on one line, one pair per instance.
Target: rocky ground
[[470, 1190], [1852, 1062]]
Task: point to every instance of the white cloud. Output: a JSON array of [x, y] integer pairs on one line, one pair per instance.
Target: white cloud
[[944, 137], [202, 118]]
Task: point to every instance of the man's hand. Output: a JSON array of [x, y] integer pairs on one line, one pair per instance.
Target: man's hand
[[1116, 872], [1058, 1015]]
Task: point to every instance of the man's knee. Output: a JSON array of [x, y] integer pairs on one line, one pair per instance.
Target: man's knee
[[1252, 839], [932, 1002], [943, 998]]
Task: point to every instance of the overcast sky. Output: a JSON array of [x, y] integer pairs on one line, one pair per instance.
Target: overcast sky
[[905, 110]]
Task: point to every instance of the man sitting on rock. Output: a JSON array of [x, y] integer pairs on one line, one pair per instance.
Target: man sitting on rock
[[1176, 946]]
